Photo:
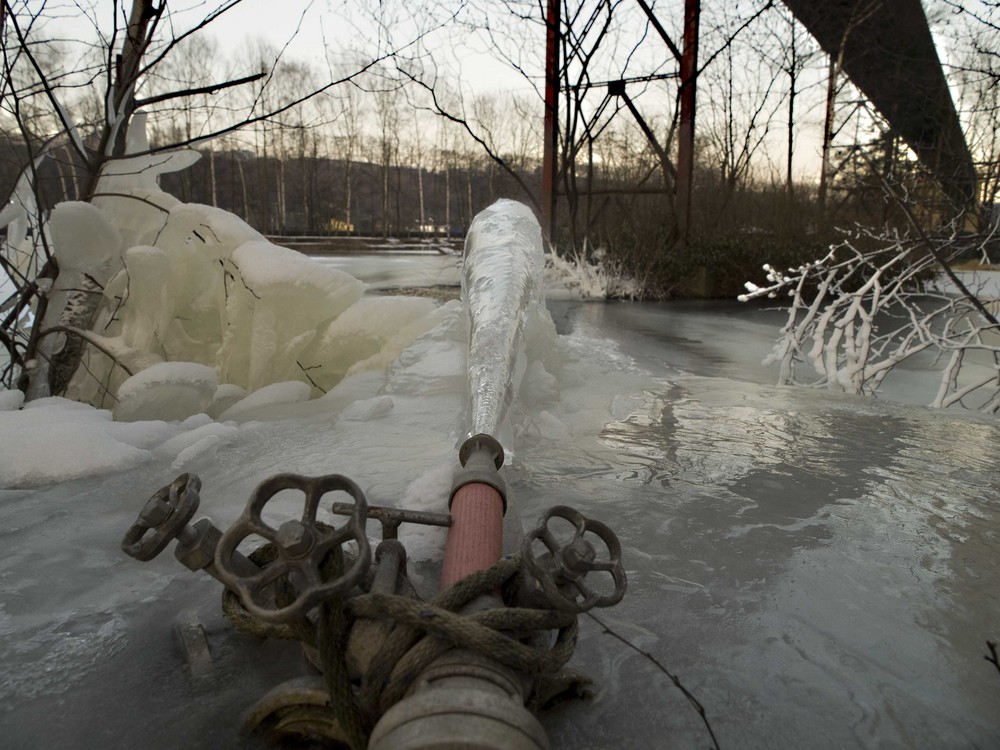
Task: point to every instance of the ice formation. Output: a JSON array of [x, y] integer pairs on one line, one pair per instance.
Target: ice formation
[[185, 308], [502, 287]]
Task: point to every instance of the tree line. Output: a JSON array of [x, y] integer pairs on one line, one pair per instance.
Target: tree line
[[390, 143]]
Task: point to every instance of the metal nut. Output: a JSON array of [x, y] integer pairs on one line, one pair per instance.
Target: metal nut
[[155, 511], [576, 556], [295, 538]]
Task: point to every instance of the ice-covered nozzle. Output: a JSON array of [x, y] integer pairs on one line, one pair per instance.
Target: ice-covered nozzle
[[481, 457]]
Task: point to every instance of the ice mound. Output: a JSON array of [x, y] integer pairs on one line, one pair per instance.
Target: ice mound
[[168, 390], [57, 439], [247, 310], [54, 440], [184, 283], [11, 400], [268, 400]]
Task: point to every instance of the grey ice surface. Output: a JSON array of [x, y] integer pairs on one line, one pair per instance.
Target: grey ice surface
[[820, 571]]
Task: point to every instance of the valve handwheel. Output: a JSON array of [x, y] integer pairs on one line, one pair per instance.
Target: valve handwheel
[[165, 514], [561, 571], [301, 546]]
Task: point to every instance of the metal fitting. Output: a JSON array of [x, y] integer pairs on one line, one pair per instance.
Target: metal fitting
[[481, 457], [196, 545], [462, 700]]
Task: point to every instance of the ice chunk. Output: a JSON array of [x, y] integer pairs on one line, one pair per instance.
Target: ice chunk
[[56, 444], [82, 237], [64, 404], [368, 335], [206, 230], [199, 453], [278, 301], [168, 391], [538, 386], [140, 173], [179, 443], [268, 400], [11, 400], [368, 409], [225, 396]]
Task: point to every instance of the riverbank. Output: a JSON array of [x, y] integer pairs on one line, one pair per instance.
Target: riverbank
[[351, 245]]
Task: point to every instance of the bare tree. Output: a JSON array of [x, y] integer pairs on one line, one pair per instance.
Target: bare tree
[[130, 73]]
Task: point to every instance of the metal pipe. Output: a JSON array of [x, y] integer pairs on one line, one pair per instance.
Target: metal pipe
[[466, 699]]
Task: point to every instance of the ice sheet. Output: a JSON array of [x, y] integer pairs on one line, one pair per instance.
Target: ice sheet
[[817, 570]]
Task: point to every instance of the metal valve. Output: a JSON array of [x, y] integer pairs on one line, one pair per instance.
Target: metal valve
[[302, 547], [561, 570], [167, 516]]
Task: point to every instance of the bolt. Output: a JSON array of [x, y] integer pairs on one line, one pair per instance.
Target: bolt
[[576, 558], [295, 538]]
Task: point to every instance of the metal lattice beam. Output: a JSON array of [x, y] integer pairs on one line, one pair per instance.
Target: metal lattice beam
[[889, 54]]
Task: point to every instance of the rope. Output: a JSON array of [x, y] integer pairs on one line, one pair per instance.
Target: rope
[[334, 628], [422, 632], [247, 624]]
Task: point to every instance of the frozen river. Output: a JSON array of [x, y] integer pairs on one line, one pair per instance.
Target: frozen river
[[820, 571]]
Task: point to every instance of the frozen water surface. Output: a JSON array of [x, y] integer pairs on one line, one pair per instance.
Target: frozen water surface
[[820, 571]]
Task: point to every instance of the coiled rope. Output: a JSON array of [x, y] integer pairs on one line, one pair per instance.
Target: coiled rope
[[421, 633]]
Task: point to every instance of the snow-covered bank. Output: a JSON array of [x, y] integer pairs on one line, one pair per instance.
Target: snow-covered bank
[[983, 283]]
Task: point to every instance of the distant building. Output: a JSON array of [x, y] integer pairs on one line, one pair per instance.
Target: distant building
[[336, 225]]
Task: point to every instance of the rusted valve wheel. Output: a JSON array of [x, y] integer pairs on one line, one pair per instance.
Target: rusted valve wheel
[[301, 546], [165, 514], [561, 571]]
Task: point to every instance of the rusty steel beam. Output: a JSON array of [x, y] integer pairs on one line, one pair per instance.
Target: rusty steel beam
[[889, 54], [685, 130]]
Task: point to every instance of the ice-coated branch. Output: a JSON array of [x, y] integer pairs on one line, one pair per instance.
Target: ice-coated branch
[[856, 314]]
